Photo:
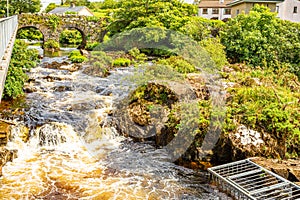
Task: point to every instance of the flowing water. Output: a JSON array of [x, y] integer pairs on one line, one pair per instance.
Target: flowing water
[[73, 152]]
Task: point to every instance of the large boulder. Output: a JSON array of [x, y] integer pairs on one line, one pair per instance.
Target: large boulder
[[143, 115]]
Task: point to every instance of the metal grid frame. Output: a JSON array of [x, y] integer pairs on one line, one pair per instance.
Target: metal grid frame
[[247, 180]]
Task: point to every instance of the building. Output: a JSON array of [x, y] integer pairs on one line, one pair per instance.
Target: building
[[239, 6], [214, 9], [289, 10], [79, 10]]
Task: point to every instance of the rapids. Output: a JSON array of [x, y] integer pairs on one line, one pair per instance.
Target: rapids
[[74, 153]]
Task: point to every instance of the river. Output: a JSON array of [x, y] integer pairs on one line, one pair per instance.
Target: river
[[74, 153]]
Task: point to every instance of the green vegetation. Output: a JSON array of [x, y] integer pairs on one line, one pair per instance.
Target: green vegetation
[[20, 6], [76, 57], [22, 60], [53, 21], [121, 62], [142, 13], [70, 37], [262, 40], [30, 34], [267, 102], [51, 44], [179, 64], [50, 7]]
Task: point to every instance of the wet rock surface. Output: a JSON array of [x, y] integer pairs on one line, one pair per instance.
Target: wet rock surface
[[288, 169], [6, 156]]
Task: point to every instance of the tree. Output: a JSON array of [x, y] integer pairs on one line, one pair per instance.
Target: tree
[[21, 6], [261, 39], [50, 7], [150, 13]]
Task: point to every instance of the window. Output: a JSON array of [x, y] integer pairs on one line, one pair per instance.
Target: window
[[237, 12], [295, 9], [204, 11], [277, 9], [227, 11], [215, 11]]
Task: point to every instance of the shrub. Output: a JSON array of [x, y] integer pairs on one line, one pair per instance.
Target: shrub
[[51, 44], [76, 57], [262, 40], [178, 64], [216, 51], [91, 46], [30, 34], [70, 37], [137, 55], [121, 62], [22, 59]]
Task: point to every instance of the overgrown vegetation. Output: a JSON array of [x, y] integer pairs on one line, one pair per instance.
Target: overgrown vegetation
[[31, 34], [260, 39], [51, 44], [76, 57], [22, 59], [70, 37]]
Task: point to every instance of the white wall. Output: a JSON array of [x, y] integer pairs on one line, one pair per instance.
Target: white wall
[[209, 14], [286, 8], [85, 12]]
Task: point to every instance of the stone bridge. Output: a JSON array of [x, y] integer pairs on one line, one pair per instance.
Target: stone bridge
[[50, 25]]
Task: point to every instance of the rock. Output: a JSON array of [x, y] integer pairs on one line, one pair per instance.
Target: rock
[[245, 143], [6, 156], [96, 71], [55, 65], [84, 52], [144, 118], [198, 84], [29, 89], [4, 132], [62, 88], [72, 67], [288, 169]]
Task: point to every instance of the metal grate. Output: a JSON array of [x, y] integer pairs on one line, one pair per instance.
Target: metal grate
[[246, 180]]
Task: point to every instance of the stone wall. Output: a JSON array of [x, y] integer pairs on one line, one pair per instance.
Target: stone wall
[[51, 26]]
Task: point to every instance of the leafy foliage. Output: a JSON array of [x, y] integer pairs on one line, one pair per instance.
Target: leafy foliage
[[216, 51], [50, 7], [155, 13], [21, 6], [51, 44], [76, 57], [22, 59], [200, 28], [178, 64], [70, 37], [261, 39], [53, 21], [30, 34], [121, 62], [267, 102]]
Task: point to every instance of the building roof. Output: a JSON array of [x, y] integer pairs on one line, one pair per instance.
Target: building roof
[[213, 4], [236, 2], [61, 10]]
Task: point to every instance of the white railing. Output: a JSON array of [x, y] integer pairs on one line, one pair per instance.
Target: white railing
[[7, 28]]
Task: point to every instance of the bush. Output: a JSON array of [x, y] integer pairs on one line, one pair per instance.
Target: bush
[[267, 102], [216, 51], [91, 46], [137, 55], [76, 57], [30, 34], [178, 64], [262, 40], [22, 59], [70, 37], [51, 44], [121, 62]]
